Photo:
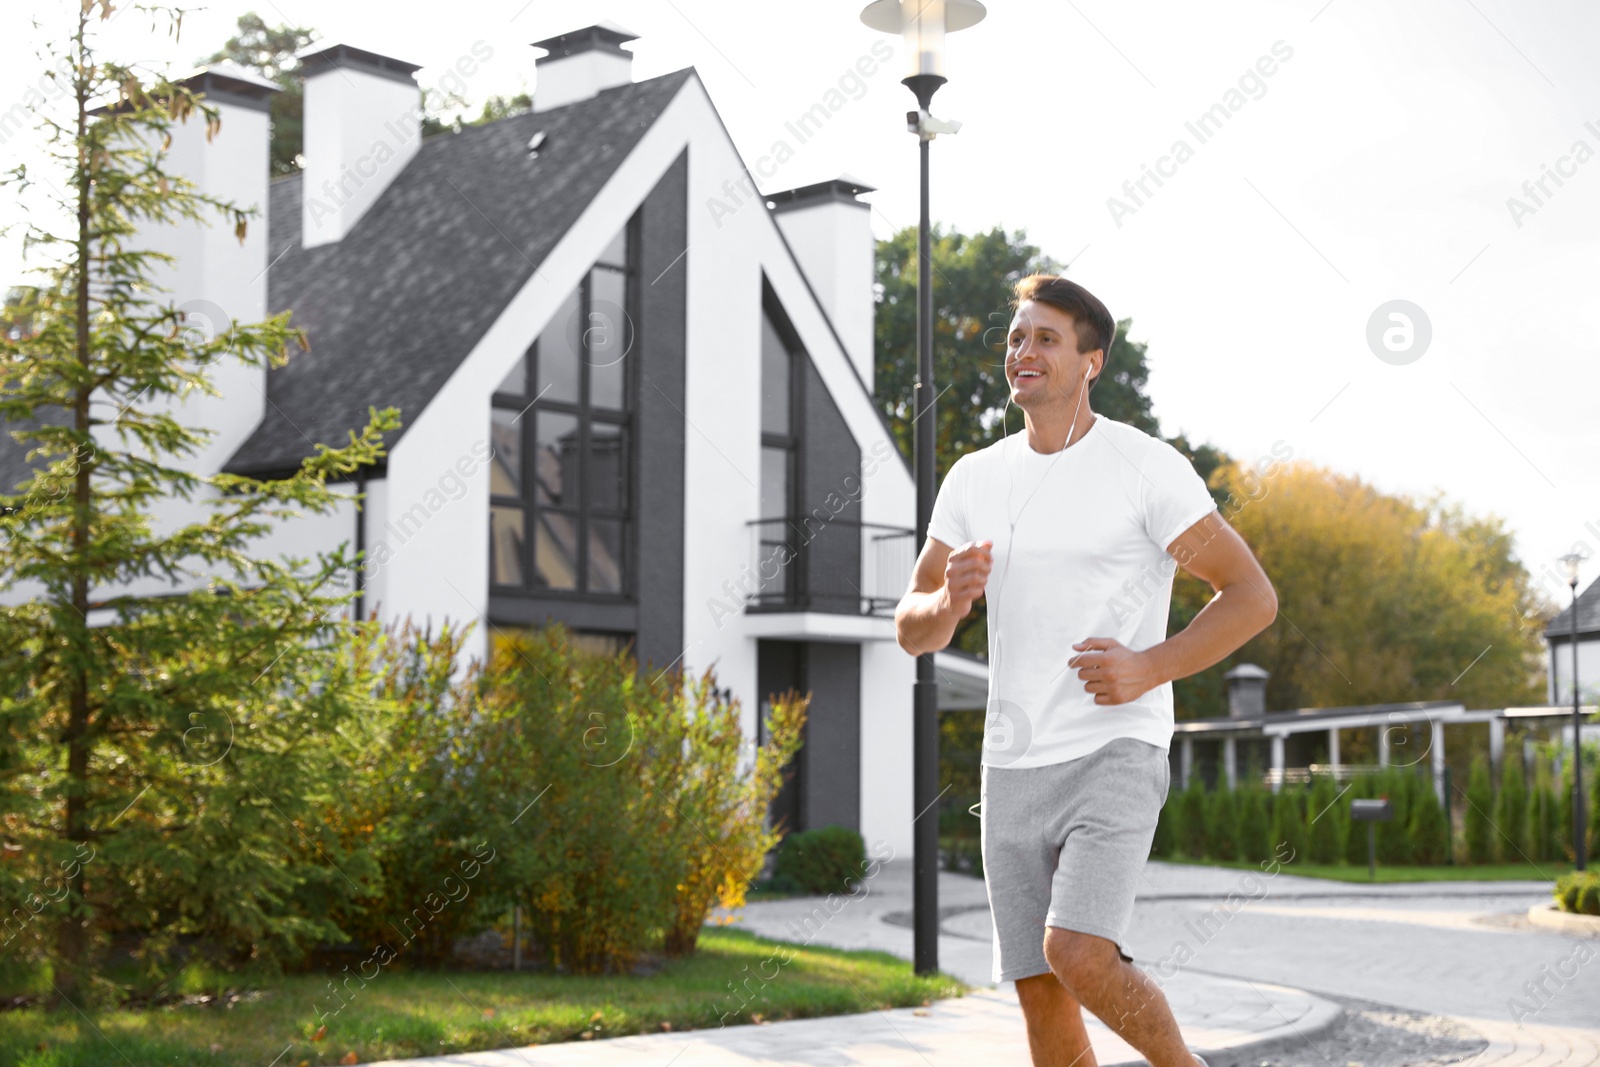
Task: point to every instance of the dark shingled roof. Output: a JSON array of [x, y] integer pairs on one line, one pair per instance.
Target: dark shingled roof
[[1560, 627], [393, 308]]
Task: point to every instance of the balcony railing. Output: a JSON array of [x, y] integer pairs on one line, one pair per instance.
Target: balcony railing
[[837, 565]]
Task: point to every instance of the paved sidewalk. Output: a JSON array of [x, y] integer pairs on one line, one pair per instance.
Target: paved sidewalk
[[1217, 1014]]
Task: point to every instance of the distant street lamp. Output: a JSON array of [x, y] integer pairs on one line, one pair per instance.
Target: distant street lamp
[[923, 24], [1572, 559]]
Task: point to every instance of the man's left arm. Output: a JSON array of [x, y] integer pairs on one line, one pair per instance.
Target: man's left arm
[[1244, 605]]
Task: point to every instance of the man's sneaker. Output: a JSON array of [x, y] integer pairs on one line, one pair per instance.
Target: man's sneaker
[[1201, 1060]]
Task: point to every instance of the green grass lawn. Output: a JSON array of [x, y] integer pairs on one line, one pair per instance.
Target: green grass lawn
[[421, 1013], [1349, 872]]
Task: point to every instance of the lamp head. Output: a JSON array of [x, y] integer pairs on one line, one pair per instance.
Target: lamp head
[[923, 24], [1570, 563]]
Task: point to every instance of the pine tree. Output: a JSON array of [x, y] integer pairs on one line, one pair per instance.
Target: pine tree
[[1223, 815], [1429, 829], [1475, 819], [1542, 815], [1326, 829], [1511, 809], [1255, 823], [171, 752], [1289, 821], [1194, 819], [1399, 785]]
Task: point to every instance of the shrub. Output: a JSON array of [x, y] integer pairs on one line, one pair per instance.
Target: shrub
[[722, 813], [1195, 842], [962, 855], [1429, 828], [1511, 810], [1288, 819], [824, 860], [1541, 832], [1401, 785], [1255, 823], [1168, 832], [1326, 829], [1475, 819], [1224, 819], [1579, 892]]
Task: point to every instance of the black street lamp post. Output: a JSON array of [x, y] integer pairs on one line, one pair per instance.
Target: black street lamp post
[[1572, 559], [923, 25]]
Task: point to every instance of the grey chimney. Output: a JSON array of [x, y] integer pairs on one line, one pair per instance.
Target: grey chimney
[[1247, 691]]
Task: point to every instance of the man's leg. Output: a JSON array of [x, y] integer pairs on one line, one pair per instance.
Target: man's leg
[[1056, 1036], [1120, 994]]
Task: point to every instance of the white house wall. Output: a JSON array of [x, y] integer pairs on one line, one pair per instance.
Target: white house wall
[[722, 448]]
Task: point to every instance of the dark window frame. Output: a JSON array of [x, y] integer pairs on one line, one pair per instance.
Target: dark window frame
[[582, 512]]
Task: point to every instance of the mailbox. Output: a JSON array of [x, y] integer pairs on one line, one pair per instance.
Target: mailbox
[[1372, 810]]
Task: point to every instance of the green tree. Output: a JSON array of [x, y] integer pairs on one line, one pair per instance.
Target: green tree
[[1195, 843], [1325, 838], [176, 714], [1223, 814], [1477, 828], [1428, 828], [1511, 809], [1542, 818], [1255, 822], [1289, 819], [270, 51], [1399, 785]]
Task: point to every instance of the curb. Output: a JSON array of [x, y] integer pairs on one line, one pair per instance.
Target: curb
[[1324, 1016], [1550, 917]]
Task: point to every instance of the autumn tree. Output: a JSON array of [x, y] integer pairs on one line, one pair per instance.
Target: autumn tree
[[1382, 598]]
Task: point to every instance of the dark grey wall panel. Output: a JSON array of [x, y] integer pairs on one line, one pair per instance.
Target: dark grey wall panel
[[663, 313], [832, 794], [830, 505]]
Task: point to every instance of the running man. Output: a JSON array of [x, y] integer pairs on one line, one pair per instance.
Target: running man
[[1073, 531]]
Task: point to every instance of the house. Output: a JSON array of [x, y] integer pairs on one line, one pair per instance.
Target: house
[[1558, 645], [630, 402]]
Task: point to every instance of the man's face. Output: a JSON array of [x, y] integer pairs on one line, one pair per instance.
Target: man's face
[[1043, 363]]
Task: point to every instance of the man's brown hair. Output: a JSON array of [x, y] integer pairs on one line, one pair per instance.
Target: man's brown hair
[[1092, 323]]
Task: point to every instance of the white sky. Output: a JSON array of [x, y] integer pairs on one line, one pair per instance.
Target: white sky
[[1376, 166]]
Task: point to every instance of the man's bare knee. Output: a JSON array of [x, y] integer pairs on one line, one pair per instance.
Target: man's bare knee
[[1078, 959]]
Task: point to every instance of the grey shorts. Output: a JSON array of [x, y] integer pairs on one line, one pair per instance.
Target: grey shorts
[[1065, 845]]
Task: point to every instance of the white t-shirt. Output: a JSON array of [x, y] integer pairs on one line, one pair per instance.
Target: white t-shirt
[[1092, 526]]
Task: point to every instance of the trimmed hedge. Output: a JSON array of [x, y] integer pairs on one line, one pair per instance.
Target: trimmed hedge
[[825, 860]]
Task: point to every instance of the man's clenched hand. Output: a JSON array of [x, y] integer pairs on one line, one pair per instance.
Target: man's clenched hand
[[966, 572], [1112, 671]]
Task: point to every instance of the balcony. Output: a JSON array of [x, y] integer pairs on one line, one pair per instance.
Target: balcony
[[832, 566]]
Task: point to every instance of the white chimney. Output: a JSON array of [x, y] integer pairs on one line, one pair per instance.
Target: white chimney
[[215, 280], [579, 64], [831, 234], [362, 125]]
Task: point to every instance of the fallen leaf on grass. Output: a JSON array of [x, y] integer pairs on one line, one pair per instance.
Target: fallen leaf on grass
[[488, 1013], [666, 1027], [322, 1032], [350, 1057]]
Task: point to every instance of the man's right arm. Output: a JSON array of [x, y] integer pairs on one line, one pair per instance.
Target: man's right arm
[[943, 586]]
